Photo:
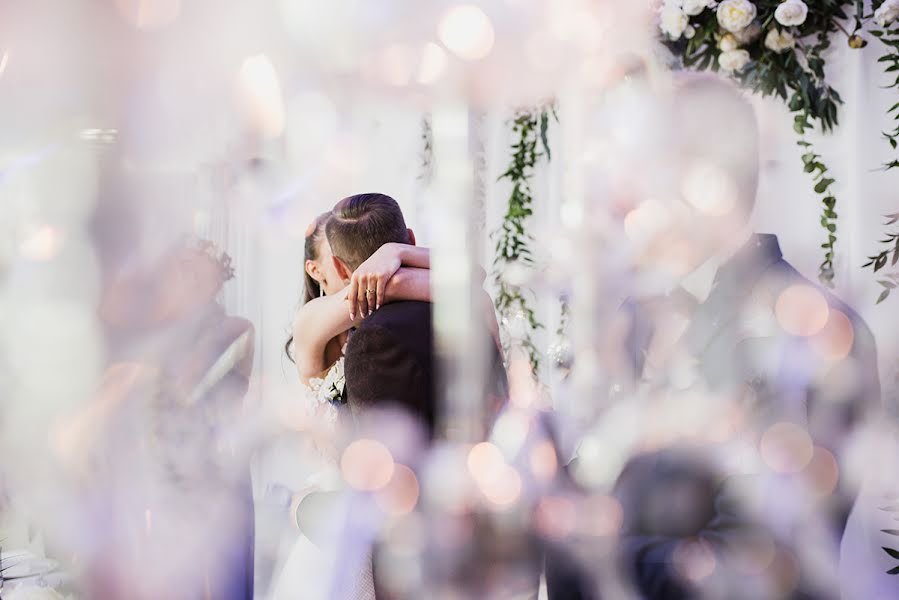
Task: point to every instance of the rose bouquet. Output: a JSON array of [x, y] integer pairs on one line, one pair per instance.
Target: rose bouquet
[[773, 47]]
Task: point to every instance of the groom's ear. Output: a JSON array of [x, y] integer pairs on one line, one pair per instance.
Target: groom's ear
[[343, 271], [411, 237]]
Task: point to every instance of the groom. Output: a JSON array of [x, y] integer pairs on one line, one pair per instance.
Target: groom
[[743, 324], [388, 356]]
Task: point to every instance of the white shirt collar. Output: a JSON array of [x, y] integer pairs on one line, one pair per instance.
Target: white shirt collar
[[700, 281]]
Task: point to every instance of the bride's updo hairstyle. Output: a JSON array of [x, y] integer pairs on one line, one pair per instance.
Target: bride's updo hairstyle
[[311, 288]]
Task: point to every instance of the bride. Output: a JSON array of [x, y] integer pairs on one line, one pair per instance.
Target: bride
[[331, 308]]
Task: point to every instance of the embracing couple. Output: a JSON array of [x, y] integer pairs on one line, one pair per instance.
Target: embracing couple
[[361, 340]]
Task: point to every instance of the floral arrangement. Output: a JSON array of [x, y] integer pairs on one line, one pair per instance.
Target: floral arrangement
[[777, 48], [334, 383]]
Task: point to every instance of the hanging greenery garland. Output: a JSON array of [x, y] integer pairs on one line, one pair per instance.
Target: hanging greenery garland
[[879, 261], [426, 154], [513, 242], [560, 351], [776, 48], [885, 15]]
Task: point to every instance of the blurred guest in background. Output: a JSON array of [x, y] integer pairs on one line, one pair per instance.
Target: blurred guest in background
[[786, 369], [165, 472]]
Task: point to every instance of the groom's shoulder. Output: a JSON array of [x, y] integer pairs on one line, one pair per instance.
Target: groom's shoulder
[[404, 324], [400, 315]]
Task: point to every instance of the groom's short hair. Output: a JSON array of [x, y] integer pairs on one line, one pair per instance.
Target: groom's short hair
[[361, 224]]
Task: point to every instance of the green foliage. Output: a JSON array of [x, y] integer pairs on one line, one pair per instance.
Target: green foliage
[[879, 261], [813, 164], [513, 242], [890, 62], [892, 552], [427, 151]]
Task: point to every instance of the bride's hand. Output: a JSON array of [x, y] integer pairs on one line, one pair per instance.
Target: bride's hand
[[366, 291]]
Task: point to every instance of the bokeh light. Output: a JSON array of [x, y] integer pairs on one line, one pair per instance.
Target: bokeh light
[[503, 489], [367, 465], [822, 474], [543, 461], [555, 517], [467, 32], [835, 340], [41, 244], [801, 310], [694, 559], [400, 495], [646, 220], [601, 516], [709, 189], [485, 462], [432, 65], [261, 95], [511, 431], [786, 447]]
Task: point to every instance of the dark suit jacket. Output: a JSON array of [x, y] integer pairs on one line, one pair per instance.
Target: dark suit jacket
[[783, 372], [390, 361]]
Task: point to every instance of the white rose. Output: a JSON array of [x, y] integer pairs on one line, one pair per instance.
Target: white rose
[[694, 7], [689, 32], [779, 41], [334, 382], [733, 60], [791, 13], [734, 15], [673, 21], [728, 43], [887, 13]]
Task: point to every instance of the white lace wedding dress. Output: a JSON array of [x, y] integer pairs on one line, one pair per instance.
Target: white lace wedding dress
[[310, 571]]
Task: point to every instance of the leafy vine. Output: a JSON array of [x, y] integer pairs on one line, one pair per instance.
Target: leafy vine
[[889, 37], [879, 261], [813, 164], [426, 156], [892, 552], [513, 242]]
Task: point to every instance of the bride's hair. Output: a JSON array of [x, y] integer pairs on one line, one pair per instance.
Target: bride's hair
[[312, 288]]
